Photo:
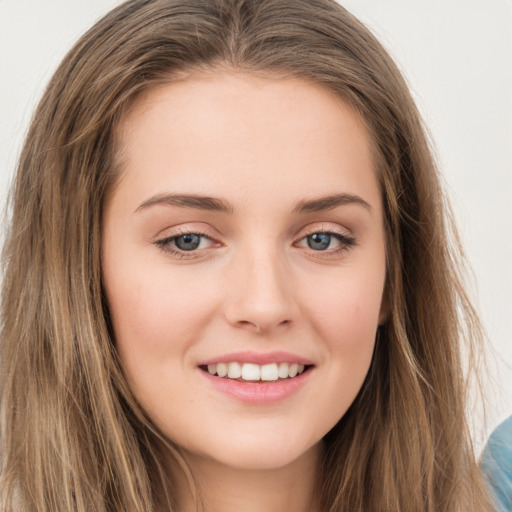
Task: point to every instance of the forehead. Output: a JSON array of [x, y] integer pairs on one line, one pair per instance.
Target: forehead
[[218, 130]]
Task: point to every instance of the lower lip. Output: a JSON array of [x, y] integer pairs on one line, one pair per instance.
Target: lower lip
[[258, 392]]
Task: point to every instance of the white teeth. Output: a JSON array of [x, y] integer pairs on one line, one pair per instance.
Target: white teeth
[[234, 370], [269, 372], [222, 370], [282, 372], [250, 372], [254, 372]]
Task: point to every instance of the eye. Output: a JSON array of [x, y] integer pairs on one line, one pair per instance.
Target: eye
[[188, 242], [319, 241], [327, 241], [183, 243]]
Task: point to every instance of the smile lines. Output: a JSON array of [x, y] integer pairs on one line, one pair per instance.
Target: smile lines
[[255, 372]]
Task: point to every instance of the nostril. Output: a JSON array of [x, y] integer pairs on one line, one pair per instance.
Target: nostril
[[263, 326]]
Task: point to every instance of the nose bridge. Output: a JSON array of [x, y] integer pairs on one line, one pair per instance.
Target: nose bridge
[[260, 298]]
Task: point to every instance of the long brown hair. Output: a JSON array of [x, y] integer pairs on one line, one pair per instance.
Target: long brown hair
[[73, 437]]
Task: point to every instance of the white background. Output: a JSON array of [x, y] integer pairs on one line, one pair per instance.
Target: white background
[[457, 57]]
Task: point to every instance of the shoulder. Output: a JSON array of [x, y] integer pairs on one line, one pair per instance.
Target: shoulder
[[497, 465]]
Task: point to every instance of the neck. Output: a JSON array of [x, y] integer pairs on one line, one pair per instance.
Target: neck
[[227, 489]]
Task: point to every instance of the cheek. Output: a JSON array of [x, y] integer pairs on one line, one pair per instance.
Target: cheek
[[156, 315], [346, 314], [345, 320], [156, 320]]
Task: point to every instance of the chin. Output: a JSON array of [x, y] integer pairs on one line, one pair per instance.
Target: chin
[[268, 454]]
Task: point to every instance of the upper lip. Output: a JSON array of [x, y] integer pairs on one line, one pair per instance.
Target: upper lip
[[258, 358]]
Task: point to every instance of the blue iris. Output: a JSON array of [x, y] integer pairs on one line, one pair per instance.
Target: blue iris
[[188, 242], [319, 241]]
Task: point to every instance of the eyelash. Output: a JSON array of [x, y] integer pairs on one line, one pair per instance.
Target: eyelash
[[346, 242], [165, 244]]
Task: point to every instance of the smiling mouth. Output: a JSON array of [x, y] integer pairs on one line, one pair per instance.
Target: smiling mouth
[[250, 372]]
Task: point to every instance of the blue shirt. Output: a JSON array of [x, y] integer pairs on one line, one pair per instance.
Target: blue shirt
[[497, 465]]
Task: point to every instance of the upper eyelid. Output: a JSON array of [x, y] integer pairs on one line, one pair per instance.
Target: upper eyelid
[[338, 234], [183, 231], [170, 233], [325, 230], [303, 232], [343, 232]]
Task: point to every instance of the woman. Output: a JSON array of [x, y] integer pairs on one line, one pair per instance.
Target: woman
[[228, 275]]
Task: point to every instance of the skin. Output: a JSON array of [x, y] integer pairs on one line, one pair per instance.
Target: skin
[[263, 145]]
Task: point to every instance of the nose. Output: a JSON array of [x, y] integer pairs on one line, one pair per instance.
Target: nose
[[260, 298]]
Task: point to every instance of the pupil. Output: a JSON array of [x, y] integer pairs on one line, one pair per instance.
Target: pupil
[[188, 242], [319, 241]]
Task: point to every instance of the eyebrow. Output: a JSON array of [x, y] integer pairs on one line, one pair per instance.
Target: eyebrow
[[329, 203], [188, 201], [220, 205]]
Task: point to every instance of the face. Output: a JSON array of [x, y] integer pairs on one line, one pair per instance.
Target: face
[[245, 237]]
